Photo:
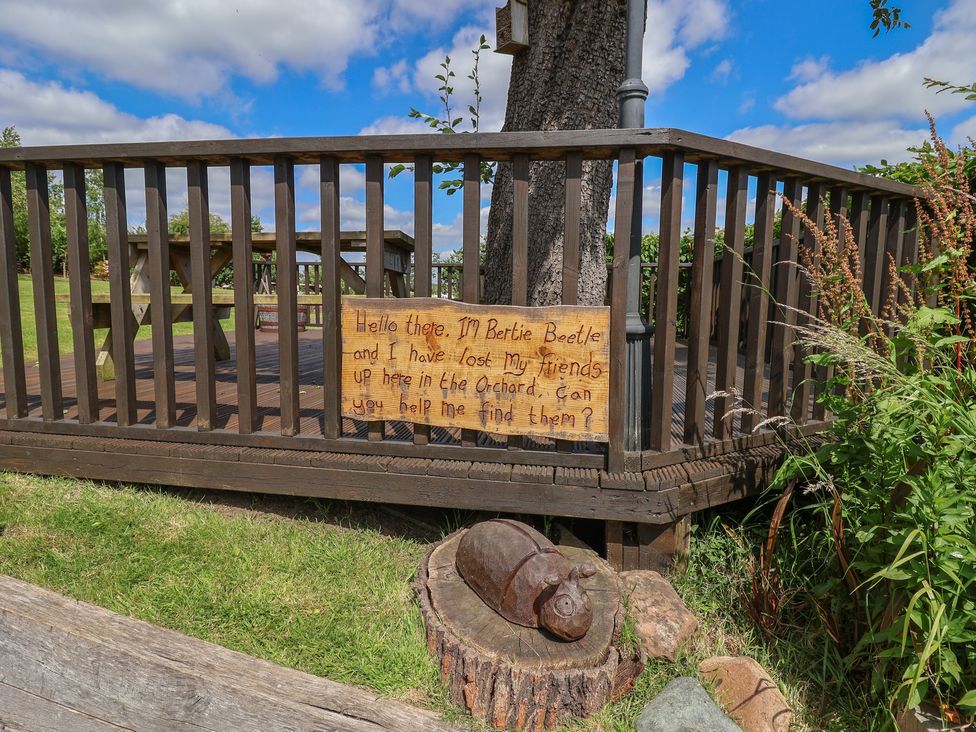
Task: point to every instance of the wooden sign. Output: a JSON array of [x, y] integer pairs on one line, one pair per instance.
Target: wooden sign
[[508, 370]]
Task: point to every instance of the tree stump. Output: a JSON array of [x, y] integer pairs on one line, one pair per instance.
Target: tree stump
[[517, 677]]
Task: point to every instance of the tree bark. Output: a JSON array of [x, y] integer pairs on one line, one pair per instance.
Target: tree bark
[[566, 79]]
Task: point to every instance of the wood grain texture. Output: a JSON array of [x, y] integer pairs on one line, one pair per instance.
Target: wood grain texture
[[571, 241], [503, 369], [874, 251], [623, 219], [701, 307], [666, 312], [471, 247], [730, 301], [123, 327], [331, 281], [287, 289], [787, 289], [11, 335], [242, 258], [758, 301], [374, 248], [201, 283], [603, 144], [161, 312], [152, 678], [423, 247], [79, 283], [42, 278], [803, 381]]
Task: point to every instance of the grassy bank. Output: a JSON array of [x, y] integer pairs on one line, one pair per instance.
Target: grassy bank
[[324, 586], [65, 342]]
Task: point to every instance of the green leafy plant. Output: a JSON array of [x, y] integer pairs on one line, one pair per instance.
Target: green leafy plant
[[947, 86], [890, 544], [447, 123], [886, 17]]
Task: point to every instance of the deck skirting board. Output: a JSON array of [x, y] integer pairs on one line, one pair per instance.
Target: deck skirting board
[[323, 475]]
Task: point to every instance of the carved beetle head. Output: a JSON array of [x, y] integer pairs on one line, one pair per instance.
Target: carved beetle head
[[568, 612]]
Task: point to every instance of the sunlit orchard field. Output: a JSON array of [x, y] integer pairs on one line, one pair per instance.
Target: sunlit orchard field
[[65, 342]]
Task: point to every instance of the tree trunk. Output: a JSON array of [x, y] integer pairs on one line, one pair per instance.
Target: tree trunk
[[566, 79]]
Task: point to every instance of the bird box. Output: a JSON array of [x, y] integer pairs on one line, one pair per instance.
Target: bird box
[[512, 27]]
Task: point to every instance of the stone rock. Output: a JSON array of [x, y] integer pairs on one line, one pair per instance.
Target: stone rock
[[747, 693], [662, 620], [684, 706], [924, 718]]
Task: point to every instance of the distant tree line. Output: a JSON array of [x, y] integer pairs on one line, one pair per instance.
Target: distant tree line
[[179, 223]]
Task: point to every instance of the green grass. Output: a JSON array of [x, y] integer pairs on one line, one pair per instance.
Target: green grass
[[65, 342], [326, 588]]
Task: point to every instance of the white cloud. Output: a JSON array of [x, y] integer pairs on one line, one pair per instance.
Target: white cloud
[[388, 78], [809, 69], [892, 87], [194, 49], [675, 27], [395, 126], [494, 73], [840, 143], [427, 14], [352, 179], [48, 113], [723, 70]]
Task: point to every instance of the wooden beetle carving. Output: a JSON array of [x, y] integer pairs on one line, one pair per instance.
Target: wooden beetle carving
[[524, 578]]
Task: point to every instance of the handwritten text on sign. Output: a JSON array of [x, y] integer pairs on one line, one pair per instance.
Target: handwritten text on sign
[[502, 369]]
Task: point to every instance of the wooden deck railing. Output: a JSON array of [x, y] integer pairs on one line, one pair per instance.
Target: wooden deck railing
[[731, 336]]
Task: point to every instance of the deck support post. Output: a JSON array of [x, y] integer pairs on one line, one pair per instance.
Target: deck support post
[[631, 96], [662, 548]]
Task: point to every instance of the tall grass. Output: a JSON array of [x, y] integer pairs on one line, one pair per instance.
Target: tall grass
[[886, 546]]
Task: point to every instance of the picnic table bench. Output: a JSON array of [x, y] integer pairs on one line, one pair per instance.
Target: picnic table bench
[[398, 249]]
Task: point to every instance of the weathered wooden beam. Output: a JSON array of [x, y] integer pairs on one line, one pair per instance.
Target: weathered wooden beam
[[66, 664]]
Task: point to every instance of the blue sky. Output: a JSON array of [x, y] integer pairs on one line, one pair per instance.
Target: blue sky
[[801, 77]]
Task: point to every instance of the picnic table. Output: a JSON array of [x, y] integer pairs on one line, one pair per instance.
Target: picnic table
[[398, 248]]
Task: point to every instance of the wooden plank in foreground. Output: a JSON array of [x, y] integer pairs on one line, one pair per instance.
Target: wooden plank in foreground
[[69, 665]]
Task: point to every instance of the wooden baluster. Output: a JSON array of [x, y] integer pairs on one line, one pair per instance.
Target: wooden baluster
[[122, 320], [520, 245], [331, 300], [623, 221], [910, 254], [859, 213], [422, 248], [471, 249], [758, 314], [201, 285], [700, 308], [730, 301], [787, 292], [808, 299], [571, 239], [287, 291], [666, 311], [874, 252], [79, 282], [11, 336], [42, 277], [894, 245], [242, 253], [839, 216], [374, 249], [160, 309]]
